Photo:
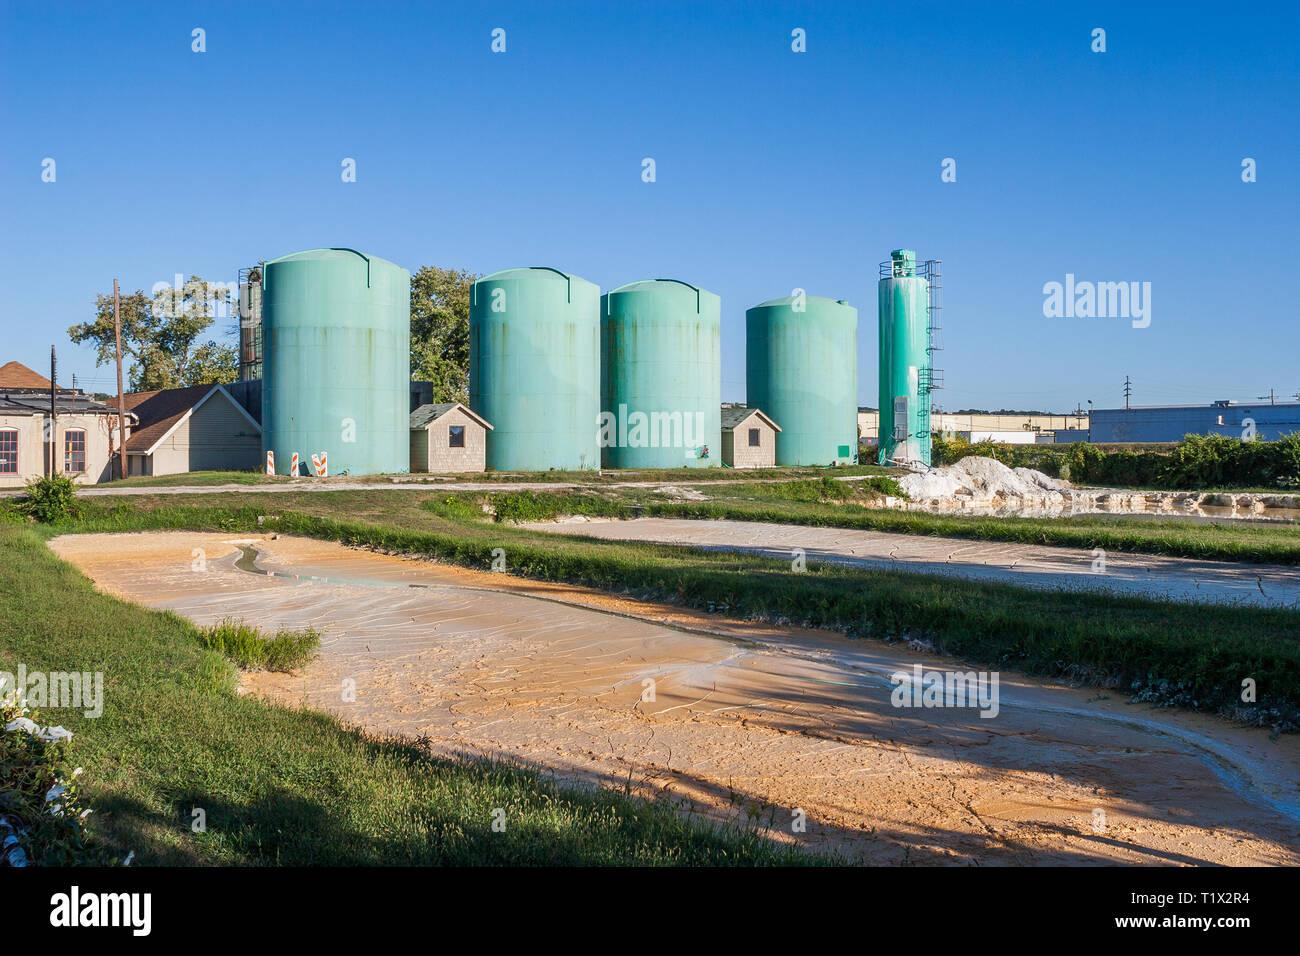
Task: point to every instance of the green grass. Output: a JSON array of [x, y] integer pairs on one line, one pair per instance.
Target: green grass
[[1220, 490], [607, 476], [199, 478], [1192, 655], [827, 502], [245, 645], [674, 475], [292, 787]]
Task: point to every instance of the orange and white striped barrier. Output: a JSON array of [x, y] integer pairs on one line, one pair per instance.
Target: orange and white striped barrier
[[293, 465], [321, 464], [270, 463]]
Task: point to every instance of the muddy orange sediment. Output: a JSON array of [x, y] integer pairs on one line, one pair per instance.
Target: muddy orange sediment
[[747, 721]]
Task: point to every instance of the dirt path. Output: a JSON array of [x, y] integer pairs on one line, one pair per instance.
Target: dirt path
[[747, 721], [1039, 566], [406, 484]]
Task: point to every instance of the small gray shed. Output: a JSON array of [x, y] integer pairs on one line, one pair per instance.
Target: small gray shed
[[748, 438], [447, 437]]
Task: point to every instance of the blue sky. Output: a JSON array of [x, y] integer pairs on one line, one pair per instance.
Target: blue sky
[[775, 169]]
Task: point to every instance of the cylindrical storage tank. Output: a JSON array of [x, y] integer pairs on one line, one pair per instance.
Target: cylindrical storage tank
[[904, 362], [801, 368], [660, 376], [534, 368], [336, 364]]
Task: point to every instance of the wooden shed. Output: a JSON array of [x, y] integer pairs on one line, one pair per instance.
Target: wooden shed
[[748, 438], [447, 437]]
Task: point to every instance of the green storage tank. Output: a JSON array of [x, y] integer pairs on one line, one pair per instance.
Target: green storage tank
[[660, 376], [801, 367], [336, 328], [904, 361], [534, 372]]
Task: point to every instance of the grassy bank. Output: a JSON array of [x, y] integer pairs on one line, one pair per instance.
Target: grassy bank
[[290, 787], [1193, 656], [593, 477], [815, 504]]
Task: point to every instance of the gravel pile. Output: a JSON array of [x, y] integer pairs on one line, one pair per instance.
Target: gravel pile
[[982, 479]]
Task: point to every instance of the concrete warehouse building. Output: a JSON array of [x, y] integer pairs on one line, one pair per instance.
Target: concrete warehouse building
[[748, 438], [1166, 423], [85, 442], [944, 423], [448, 437]]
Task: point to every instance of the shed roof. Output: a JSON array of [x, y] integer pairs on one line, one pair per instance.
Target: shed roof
[[733, 417], [426, 415]]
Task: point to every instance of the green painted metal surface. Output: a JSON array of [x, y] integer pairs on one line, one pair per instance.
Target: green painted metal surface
[[801, 365], [535, 368], [336, 365], [661, 376], [904, 361]]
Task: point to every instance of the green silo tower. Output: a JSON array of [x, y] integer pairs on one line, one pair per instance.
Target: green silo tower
[[336, 364], [661, 376], [534, 373], [907, 377], [801, 369]]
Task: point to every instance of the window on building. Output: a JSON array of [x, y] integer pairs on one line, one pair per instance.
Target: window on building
[[8, 451], [456, 436], [74, 451], [754, 439]]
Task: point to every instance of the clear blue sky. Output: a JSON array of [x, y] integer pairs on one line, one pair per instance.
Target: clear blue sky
[[775, 170]]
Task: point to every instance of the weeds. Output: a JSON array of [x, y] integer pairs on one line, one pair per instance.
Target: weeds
[[246, 646]]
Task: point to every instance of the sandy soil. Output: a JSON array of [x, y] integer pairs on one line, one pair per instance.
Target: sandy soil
[[747, 721], [1027, 565]]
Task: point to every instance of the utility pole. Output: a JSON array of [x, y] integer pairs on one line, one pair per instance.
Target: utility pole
[[54, 414], [121, 399], [1128, 390], [1271, 396]]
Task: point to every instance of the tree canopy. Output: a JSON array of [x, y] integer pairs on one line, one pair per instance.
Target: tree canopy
[[160, 336], [440, 331]]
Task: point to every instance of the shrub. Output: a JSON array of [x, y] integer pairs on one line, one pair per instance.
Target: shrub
[[1049, 459], [50, 499], [456, 507], [247, 647], [884, 485], [539, 506], [1198, 461]]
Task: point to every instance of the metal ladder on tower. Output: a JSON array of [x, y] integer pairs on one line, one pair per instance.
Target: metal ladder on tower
[[930, 378]]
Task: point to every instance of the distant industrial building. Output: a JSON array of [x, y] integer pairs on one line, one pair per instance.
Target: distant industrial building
[[1166, 423], [1040, 428]]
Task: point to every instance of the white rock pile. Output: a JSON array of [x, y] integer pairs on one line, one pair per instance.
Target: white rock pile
[[983, 479]]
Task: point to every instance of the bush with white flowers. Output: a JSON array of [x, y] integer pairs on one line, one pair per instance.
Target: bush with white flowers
[[41, 820]]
